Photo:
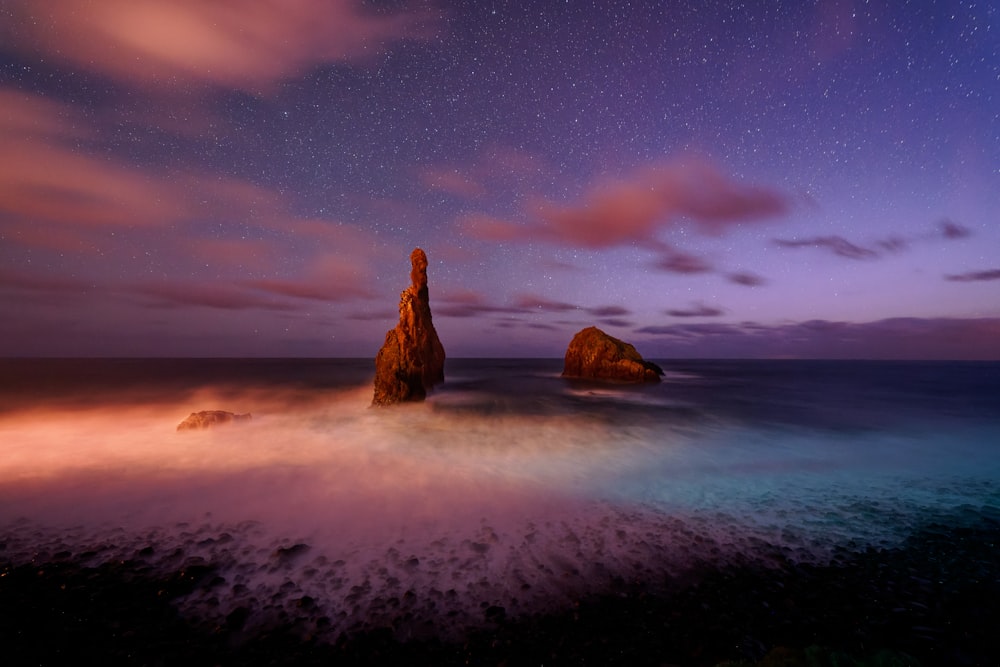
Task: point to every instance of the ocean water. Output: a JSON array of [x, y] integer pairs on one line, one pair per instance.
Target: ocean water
[[509, 487]]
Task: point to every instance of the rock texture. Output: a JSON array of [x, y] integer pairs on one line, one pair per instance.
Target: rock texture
[[596, 355], [411, 360], [209, 418]]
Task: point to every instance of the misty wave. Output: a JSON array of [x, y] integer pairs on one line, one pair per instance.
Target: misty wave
[[509, 492]]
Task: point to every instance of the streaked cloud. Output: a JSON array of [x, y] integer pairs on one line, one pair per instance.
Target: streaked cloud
[[894, 338], [975, 276], [249, 46], [638, 208]]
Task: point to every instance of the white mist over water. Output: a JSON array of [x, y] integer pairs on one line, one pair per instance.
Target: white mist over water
[[423, 516]]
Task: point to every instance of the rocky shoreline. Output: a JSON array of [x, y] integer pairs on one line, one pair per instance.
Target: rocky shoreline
[[934, 600]]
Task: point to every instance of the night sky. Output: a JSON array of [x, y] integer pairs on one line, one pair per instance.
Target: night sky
[[717, 179]]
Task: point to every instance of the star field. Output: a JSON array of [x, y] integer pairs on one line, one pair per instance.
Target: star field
[[700, 179]]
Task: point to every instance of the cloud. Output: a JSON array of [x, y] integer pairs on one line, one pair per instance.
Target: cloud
[[221, 296], [502, 167], [453, 182], [838, 245], [697, 310], [952, 230], [54, 196], [636, 209], [894, 338], [250, 46], [745, 278], [616, 322], [684, 263], [975, 276], [32, 282], [530, 303], [43, 179], [468, 303], [330, 277], [609, 311]]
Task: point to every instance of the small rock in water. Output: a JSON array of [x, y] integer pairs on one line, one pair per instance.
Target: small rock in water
[[209, 418], [595, 355]]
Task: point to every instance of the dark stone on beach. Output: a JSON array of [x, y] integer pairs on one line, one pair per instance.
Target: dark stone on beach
[[593, 354], [411, 360], [209, 418], [932, 600]]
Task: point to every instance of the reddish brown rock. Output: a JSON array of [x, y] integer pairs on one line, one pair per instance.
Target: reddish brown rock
[[209, 418], [411, 360], [594, 354]]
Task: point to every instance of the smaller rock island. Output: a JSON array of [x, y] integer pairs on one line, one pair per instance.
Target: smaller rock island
[[593, 354], [209, 418], [411, 360]]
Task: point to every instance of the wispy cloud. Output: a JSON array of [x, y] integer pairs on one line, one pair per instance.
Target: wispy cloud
[[841, 247], [696, 310], [895, 338], [746, 279], [175, 43], [975, 276], [222, 296], [638, 208], [531, 303], [838, 245], [674, 261]]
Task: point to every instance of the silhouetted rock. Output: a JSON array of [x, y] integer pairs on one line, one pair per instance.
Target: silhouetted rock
[[596, 355], [209, 418], [411, 360]]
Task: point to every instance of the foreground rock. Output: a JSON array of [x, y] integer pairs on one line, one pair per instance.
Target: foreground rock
[[595, 355], [411, 360], [210, 418]]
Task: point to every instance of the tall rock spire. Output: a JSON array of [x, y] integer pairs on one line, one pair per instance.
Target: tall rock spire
[[411, 360]]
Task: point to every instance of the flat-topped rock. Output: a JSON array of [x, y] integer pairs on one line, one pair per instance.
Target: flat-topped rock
[[209, 418], [595, 355]]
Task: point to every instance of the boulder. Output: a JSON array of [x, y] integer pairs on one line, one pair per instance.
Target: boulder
[[593, 354], [209, 418], [411, 360]]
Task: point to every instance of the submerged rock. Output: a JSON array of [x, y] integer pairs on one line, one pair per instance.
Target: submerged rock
[[209, 418], [411, 360], [595, 355]]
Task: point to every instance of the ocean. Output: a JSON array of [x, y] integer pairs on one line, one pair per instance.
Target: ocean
[[510, 493]]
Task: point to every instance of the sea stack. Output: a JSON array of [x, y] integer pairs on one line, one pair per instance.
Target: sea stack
[[411, 360], [593, 354]]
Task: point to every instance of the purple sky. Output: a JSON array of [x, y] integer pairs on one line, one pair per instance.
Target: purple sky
[[817, 179]]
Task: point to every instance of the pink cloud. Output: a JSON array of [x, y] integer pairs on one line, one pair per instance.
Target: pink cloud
[[250, 46], [246, 255], [54, 288], [44, 179], [495, 164], [51, 194], [637, 209], [328, 278], [489, 228], [210, 295], [634, 210], [453, 182]]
